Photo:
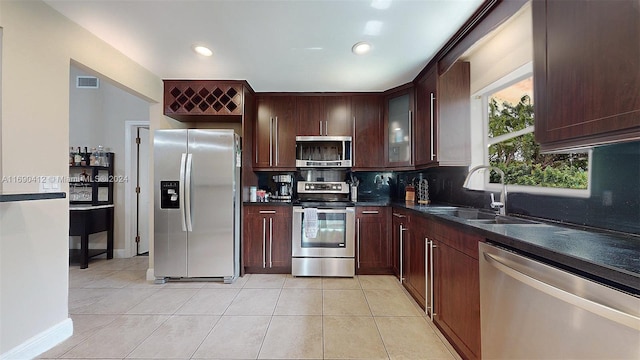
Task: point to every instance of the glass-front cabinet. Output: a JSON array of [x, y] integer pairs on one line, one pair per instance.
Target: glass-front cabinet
[[399, 131]]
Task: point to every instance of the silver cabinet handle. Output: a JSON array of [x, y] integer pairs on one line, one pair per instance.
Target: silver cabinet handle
[[399, 215], [267, 211], [320, 127], [402, 228], [358, 241], [411, 142], [276, 136], [270, 141], [270, 242], [353, 152], [370, 212], [326, 128], [433, 154], [571, 298], [429, 246], [264, 243]]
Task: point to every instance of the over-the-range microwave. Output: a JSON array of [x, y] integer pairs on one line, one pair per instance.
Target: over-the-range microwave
[[323, 151]]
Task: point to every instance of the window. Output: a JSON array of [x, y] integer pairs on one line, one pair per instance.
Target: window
[[510, 145]]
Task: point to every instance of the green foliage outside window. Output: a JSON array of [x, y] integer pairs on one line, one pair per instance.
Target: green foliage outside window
[[520, 158]]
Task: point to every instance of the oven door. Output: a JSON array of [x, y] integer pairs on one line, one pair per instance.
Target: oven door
[[335, 236]]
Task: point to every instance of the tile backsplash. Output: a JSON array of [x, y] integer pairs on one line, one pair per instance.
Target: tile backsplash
[[614, 203]]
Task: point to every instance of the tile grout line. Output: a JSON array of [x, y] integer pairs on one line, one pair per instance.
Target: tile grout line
[[374, 320]]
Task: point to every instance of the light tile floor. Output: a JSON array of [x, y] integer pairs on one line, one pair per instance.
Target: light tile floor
[[117, 314]]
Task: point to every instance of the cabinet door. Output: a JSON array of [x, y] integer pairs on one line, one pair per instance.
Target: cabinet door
[[426, 119], [264, 133], [280, 251], [457, 299], [587, 72], [400, 238], [415, 250], [284, 141], [399, 129], [452, 132], [337, 111], [275, 137], [373, 242], [254, 232], [396, 221], [368, 131], [310, 115]]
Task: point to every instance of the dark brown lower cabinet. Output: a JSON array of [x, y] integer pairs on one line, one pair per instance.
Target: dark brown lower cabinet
[[266, 239], [373, 243], [457, 288], [415, 264]]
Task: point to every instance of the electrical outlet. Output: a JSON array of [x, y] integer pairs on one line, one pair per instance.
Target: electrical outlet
[[607, 198]]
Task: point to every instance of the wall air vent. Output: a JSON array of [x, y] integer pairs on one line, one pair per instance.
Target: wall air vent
[[87, 82]]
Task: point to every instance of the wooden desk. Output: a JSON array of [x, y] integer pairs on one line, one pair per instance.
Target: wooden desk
[[85, 220]]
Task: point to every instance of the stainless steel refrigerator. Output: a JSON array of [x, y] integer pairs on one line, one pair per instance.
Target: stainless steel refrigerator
[[197, 204]]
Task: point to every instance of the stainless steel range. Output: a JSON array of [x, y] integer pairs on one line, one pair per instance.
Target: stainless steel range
[[323, 242]]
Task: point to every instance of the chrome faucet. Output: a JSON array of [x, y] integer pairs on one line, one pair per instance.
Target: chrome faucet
[[501, 205]]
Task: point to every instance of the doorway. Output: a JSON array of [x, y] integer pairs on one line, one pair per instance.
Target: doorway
[[138, 191]]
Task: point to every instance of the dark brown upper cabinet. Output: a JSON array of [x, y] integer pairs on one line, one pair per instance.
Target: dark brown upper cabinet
[[398, 118], [323, 115], [204, 100], [368, 131], [442, 124], [586, 72], [275, 137]]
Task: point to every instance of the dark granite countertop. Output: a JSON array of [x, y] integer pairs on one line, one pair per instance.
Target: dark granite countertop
[[13, 197], [267, 203], [606, 257]]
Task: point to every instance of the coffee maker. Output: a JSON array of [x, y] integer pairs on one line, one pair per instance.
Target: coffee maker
[[284, 188]]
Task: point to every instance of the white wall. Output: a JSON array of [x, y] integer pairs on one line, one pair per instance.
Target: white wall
[[506, 49], [97, 117], [39, 45]]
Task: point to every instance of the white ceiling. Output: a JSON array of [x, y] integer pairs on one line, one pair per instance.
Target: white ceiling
[[277, 45]]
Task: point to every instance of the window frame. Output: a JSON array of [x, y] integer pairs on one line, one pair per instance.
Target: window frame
[[479, 106]]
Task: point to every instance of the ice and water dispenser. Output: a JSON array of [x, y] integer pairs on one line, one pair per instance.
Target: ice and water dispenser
[[169, 195]]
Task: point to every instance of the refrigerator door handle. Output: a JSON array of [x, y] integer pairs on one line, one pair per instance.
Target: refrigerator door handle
[[188, 193], [183, 160]]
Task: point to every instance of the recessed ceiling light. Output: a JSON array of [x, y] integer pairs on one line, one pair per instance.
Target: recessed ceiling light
[[202, 50], [361, 48]]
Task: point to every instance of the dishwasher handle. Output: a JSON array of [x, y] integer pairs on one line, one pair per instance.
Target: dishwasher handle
[[521, 275]]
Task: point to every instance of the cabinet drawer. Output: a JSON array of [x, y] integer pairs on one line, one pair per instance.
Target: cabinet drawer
[[268, 210], [457, 239]]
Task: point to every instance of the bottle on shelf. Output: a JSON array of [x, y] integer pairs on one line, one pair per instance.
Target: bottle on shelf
[[72, 154], [92, 157], [77, 157], [84, 160]]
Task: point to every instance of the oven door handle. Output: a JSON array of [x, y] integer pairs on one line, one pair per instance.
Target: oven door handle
[[326, 210]]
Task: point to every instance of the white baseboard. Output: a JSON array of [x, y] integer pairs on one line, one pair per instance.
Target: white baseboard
[[42, 342], [150, 275], [121, 254]]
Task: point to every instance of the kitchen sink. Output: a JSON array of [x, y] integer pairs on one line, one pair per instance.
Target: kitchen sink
[[478, 216], [468, 214], [499, 219]]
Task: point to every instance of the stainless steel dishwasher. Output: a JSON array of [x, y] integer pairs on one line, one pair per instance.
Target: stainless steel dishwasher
[[530, 310]]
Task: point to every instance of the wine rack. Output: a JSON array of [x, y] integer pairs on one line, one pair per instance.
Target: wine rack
[[184, 98]]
